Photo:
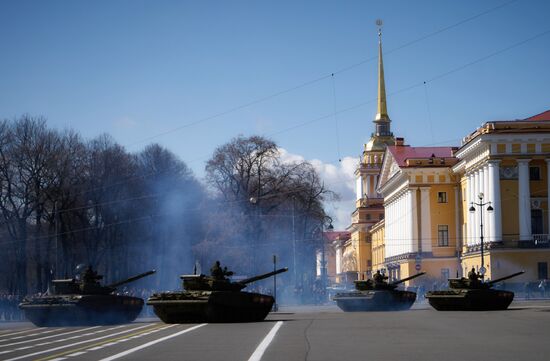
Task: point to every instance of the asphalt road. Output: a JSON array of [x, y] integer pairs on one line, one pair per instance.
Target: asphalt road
[[301, 333]]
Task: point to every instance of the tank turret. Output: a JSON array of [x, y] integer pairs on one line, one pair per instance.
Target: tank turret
[[213, 298], [89, 285], [472, 294], [364, 285], [212, 283]]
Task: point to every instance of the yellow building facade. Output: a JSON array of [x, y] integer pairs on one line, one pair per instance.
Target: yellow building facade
[[420, 201], [505, 165], [430, 208]]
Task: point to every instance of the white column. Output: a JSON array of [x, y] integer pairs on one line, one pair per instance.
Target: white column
[[488, 226], [494, 196], [389, 234], [469, 199], [475, 199], [413, 243], [425, 217], [338, 260], [359, 187], [406, 228], [524, 200], [457, 218]]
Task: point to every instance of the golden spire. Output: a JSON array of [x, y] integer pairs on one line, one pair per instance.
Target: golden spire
[[382, 135], [382, 111]]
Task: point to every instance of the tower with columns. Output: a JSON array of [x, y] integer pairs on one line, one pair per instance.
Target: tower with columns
[[357, 253]]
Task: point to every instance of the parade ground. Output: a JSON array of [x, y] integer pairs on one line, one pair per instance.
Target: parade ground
[[300, 333]]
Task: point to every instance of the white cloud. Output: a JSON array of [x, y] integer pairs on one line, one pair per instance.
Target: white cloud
[[340, 179]]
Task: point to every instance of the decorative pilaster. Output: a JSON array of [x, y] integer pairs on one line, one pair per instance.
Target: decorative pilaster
[[488, 227], [426, 222], [524, 200], [457, 219], [494, 197]]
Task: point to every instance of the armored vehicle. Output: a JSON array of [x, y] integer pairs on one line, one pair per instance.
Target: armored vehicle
[[377, 295], [466, 294], [84, 301], [213, 299]]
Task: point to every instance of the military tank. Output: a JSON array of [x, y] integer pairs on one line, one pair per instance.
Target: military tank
[[466, 294], [377, 296], [213, 299], [75, 302]]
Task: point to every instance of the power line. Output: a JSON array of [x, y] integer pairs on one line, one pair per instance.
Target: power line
[[323, 77], [318, 79]]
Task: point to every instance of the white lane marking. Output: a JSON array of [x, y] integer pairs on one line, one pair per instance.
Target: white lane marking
[[132, 350], [23, 331], [58, 359], [46, 337], [64, 339], [34, 334], [257, 355], [76, 343], [77, 353]]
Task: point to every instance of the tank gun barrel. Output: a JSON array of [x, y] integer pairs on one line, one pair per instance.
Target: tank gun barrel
[[265, 275], [131, 279], [408, 278], [506, 277]]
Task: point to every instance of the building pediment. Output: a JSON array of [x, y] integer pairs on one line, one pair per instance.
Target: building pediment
[[390, 169]]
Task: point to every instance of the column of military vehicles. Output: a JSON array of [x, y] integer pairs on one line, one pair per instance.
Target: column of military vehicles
[[82, 300]]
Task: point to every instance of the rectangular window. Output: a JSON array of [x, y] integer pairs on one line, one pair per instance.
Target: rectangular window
[[445, 273], [441, 197], [443, 235], [536, 221], [534, 173], [543, 270]]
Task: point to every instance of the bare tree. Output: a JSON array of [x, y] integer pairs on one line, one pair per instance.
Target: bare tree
[[25, 153], [278, 202]]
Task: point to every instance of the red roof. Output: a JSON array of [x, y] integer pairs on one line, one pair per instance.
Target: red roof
[[540, 117], [402, 153], [334, 235]]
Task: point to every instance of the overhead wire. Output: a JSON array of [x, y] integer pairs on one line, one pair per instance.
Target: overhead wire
[[402, 90], [307, 83], [323, 77], [437, 77]]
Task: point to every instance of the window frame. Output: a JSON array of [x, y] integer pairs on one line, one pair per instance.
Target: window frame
[[538, 173], [443, 235]]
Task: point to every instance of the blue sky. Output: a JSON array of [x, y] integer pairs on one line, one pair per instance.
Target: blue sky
[[161, 71]]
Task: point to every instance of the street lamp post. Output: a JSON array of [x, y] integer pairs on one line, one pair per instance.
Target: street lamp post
[[472, 209], [275, 307], [330, 228], [255, 201]]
